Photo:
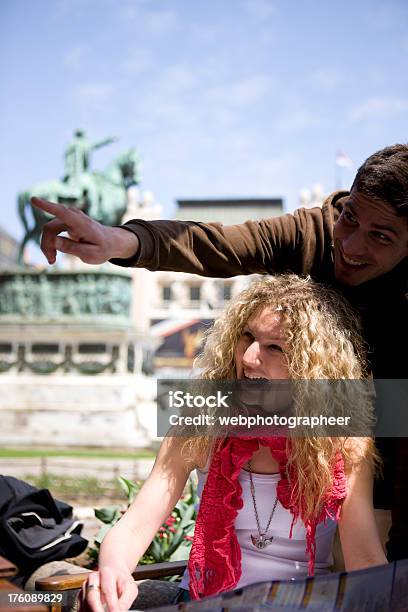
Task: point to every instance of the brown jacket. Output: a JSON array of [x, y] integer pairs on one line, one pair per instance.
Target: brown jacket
[[298, 242]]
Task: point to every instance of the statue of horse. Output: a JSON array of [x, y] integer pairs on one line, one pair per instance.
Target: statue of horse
[[102, 195]]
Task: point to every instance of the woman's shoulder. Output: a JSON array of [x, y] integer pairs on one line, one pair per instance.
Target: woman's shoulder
[[195, 452], [357, 450], [358, 446], [203, 458]]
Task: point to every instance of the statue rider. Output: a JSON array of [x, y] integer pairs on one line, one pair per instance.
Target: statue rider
[[77, 154]]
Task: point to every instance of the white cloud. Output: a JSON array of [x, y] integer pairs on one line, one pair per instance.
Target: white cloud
[[377, 107]]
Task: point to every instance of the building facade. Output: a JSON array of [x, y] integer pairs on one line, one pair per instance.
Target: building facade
[[8, 250]]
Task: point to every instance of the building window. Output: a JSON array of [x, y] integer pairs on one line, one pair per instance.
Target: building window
[[50, 349], [226, 292], [166, 293], [195, 293], [92, 349]]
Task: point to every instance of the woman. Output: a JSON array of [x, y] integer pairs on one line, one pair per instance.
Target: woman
[[269, 505]]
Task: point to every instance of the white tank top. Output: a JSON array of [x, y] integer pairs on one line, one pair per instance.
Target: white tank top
[[285, 558]]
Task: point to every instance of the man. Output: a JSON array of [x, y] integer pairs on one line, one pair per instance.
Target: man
[[357, 242]]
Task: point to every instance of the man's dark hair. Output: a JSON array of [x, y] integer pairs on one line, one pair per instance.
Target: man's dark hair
[[384, 176]]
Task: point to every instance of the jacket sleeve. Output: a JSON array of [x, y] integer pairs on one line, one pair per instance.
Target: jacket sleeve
[[293, 242]]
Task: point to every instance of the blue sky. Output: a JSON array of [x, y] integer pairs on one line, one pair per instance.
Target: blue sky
[[223, 98]]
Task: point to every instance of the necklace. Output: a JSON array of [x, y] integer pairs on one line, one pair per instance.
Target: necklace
[[260, 541]]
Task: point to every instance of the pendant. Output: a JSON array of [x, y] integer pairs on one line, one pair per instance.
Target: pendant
[[261, 541]]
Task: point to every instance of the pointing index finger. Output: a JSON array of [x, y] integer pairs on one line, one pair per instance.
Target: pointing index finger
[[58, 210]]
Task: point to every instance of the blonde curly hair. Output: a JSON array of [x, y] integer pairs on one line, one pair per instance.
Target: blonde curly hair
[[323, 341]]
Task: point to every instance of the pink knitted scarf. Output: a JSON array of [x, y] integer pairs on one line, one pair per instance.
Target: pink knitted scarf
[[215, 559]]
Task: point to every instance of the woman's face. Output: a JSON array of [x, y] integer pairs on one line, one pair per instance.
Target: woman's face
[[260, 352], [260, 357]]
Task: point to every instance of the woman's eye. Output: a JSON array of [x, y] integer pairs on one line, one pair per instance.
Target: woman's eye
[[275, 347], [248, 335]]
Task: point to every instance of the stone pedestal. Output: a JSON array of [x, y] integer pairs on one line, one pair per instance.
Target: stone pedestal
[[71, 361], [60, 410]]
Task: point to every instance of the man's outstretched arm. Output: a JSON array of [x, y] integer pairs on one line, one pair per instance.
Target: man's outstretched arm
[[278, 244]]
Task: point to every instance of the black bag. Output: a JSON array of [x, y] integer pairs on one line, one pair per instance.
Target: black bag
[[35, 528]]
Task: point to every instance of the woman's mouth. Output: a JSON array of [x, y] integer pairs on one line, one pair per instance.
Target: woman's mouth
[[253, 377]]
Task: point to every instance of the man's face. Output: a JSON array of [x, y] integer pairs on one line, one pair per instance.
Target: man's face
[[370, 239]]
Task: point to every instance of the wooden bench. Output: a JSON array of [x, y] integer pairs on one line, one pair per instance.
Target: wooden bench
[[73, 582], [7, 570]]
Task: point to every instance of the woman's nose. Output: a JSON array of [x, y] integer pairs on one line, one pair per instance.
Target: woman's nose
[[252, 355]]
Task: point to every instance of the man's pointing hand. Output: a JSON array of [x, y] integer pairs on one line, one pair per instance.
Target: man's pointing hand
[[90, 241]]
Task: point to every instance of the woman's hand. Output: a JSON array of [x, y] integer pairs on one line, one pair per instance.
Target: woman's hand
[[111, 588]]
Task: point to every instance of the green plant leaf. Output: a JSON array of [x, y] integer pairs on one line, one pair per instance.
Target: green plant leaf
[[156, 551], [109, 514], [187, 516], [181, 553], [177, 540], [129, 488]]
